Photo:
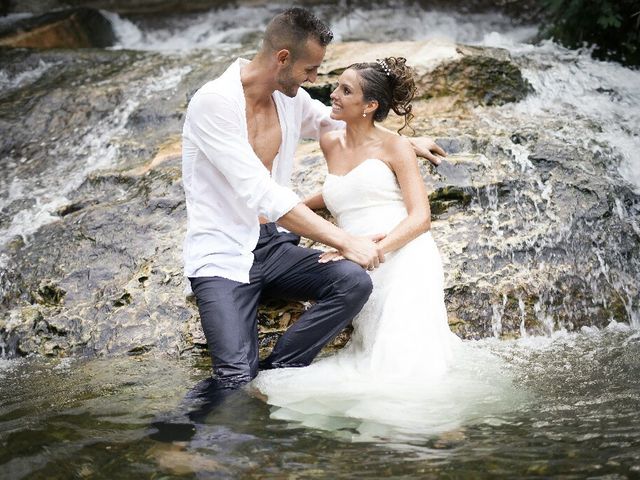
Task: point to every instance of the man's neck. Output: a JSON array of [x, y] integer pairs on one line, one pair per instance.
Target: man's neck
[[258, 83]]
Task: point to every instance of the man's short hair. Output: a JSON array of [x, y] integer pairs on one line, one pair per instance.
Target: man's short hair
[[292, 28]]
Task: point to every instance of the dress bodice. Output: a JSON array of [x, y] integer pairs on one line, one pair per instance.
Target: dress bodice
[[367, 200]]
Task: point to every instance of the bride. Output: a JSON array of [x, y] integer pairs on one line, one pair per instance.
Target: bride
[[374, 186], [401, 343]]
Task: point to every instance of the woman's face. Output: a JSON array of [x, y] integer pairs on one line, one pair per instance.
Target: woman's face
[[347, 99]]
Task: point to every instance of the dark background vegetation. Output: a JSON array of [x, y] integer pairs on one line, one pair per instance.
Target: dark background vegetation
[[612, 28]]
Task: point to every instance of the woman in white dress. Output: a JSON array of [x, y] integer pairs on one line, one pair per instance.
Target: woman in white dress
[[374, 186], [401, 346]]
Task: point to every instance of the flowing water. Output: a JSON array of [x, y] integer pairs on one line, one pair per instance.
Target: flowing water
[[563, 405], [571, 411]]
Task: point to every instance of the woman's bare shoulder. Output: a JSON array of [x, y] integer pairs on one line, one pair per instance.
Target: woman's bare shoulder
[[330, 140], [398, 148]]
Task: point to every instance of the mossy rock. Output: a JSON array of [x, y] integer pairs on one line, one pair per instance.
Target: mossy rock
[[444, 198], [476, 79]]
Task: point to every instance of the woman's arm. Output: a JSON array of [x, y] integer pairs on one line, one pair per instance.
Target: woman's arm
[[414, 193], [327, 143]]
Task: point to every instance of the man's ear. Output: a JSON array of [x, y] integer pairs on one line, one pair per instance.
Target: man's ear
[[283, 56]]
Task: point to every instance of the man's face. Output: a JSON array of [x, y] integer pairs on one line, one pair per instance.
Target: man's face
[[303, 69]]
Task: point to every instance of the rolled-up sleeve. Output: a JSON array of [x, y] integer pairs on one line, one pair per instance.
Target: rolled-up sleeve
[[214, 126], [316, 117]]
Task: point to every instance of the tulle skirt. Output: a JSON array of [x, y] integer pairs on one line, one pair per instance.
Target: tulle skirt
[[402, 372]]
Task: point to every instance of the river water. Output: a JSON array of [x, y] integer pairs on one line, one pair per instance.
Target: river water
[[564, 405], [575, 415]]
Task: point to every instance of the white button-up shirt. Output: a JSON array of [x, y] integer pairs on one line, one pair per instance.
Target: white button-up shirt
[[226, 185]]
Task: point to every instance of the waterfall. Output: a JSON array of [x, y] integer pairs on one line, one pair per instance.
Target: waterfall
[[91, 148], [507, 268]]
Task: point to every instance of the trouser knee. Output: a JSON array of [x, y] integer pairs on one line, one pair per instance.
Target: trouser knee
[[361, 286], [354, 285]]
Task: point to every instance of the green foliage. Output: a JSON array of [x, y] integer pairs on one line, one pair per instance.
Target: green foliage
[[611, 27]]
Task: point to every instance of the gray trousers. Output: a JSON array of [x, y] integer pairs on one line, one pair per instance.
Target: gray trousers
[[281, 269]]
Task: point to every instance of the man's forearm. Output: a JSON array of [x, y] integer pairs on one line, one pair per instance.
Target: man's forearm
[[303, 221], [364, 251]]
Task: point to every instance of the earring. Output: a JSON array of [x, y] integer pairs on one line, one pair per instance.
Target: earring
[[364, 114]]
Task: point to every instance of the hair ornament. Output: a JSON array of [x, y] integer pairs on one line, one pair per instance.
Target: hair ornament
[[384, 66]]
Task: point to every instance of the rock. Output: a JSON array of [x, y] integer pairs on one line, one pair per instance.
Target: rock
[[112, 284], [535, 233], [476, 80], [423, 56], [48, 293], [74, 28], [467, 76], [528, 257], [121, 285], [31, 316]]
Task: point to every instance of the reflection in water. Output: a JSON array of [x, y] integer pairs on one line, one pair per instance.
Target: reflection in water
[[147, 416]]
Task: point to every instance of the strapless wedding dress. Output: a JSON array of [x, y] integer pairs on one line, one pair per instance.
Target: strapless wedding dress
[[401, 347]]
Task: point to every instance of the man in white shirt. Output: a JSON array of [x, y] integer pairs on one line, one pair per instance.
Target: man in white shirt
[[239, 139]]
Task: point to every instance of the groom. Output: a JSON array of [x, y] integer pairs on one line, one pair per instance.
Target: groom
[[239, 138]]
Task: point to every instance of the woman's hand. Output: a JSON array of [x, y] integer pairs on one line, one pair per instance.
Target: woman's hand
[[365, 251], [330, 256]]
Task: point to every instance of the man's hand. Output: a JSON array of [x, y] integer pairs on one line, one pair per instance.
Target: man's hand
[[425, 147], [364, 251], [361, 250]]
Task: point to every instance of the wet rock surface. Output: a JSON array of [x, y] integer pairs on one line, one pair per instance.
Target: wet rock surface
[[72, 28], [82, 282], [535, 233]]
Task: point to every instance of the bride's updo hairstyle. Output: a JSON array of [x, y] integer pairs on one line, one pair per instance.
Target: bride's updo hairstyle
[[391, 83]]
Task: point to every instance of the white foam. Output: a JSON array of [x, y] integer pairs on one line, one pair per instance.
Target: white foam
[[7, 365], [403, 22], [13, 17], [570, 84], [399, 22], [11, 82], [207, 30], [64, 364]]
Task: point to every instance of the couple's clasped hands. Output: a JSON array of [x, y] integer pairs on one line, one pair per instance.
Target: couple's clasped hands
[[365, 251]]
